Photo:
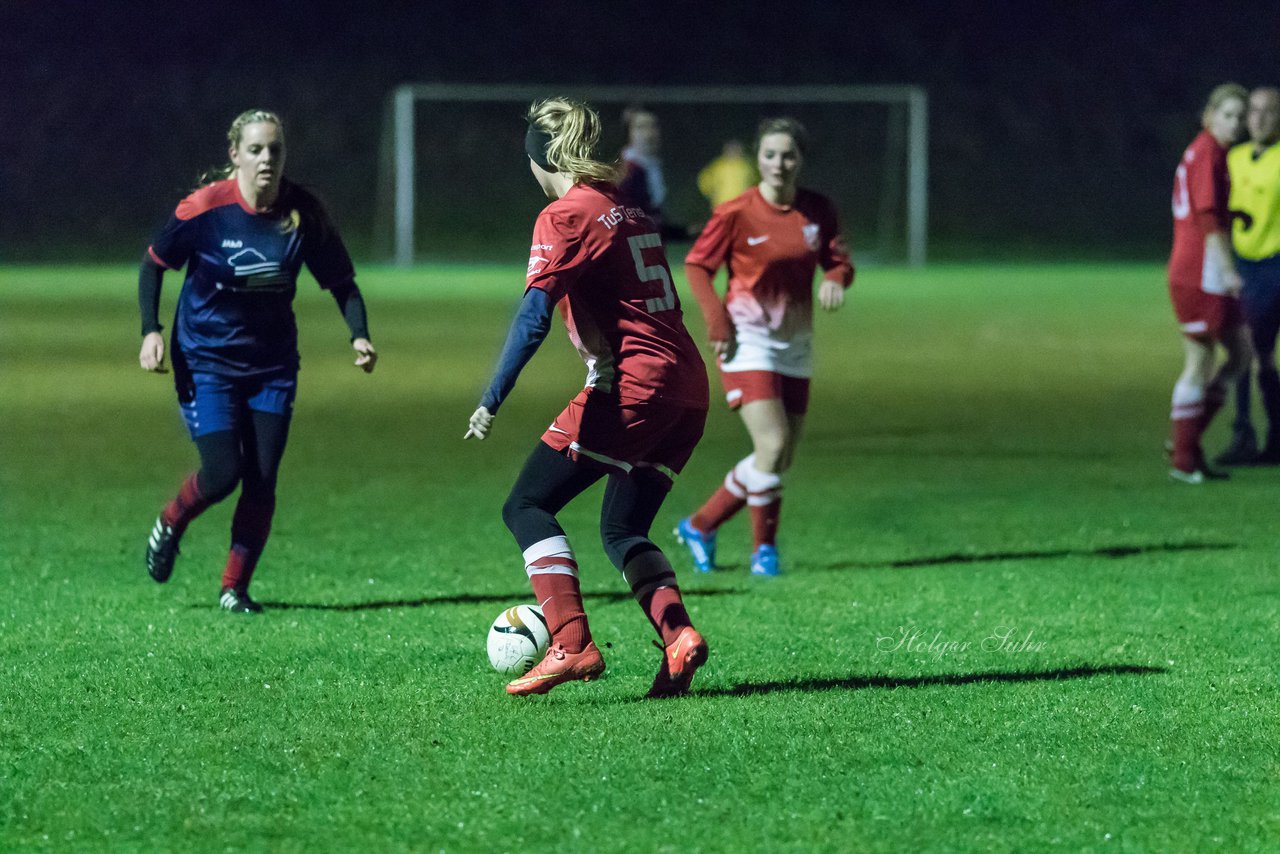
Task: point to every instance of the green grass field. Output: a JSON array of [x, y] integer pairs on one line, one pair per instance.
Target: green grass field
[[983, 460]]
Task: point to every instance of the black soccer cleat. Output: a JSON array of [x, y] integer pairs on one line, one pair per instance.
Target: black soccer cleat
[[238, 602], [162, 551], [1269, 455]]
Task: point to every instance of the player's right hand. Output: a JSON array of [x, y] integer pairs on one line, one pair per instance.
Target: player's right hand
[[151, 356], [479, 425], [724, 348]]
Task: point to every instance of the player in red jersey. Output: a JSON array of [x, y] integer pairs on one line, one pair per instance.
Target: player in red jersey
[[772, 238], [1203, 283], [636, 422], [641, 183]]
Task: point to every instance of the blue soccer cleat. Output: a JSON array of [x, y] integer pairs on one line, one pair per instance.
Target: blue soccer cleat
[[702, 547], [764, 561]]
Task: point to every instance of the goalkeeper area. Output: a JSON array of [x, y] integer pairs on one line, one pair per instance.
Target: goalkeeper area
[[454, 180]]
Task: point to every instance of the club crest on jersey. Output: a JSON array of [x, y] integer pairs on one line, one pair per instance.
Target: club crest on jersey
[[811, 236], [255, 273], [248, 261]]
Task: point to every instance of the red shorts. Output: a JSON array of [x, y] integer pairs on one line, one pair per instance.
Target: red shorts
[[627, 434], [746, 386], [1204, 316]]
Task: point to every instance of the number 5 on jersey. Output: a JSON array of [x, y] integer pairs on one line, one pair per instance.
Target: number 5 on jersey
[[652, 272]]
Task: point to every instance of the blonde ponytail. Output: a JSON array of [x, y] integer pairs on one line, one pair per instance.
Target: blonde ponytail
[[574, 129]]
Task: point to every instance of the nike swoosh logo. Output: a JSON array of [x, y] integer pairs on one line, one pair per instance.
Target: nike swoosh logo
[[754, 241], [676, 653]]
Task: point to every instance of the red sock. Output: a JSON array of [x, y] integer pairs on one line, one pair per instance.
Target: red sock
[[240, 564], [721, 506], [666, 611], [1213, 400], [561, 601], [185, 506], [764, 522], [1186, 443], [250, 527]]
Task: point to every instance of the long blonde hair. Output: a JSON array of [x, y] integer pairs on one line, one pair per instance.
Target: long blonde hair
[[234, 134], [575, 131]]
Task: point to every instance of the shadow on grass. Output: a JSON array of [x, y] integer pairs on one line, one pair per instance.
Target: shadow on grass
[[465, 599], [855, 683], [1049, 554]]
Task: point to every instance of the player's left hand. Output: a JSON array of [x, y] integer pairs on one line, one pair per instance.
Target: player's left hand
[[368, 357], [481, 420], [830, 295]]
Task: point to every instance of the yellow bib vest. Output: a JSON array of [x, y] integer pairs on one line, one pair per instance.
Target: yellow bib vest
[[1255, 190]]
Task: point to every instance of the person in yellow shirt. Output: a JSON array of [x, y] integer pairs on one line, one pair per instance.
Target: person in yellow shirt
[[728, 176], [1254, 167]]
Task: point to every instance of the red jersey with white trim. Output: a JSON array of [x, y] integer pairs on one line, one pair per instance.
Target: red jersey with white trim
[[1201, 187], [771, 253], [603, 262]]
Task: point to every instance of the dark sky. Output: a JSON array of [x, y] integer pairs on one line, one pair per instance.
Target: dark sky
[[1051, 122]]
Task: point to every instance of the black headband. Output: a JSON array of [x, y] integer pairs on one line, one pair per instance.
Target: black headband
[[536, 141]]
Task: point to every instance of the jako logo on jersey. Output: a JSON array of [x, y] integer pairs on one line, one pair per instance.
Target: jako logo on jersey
[[231, 244], [756, 241], [811, 236], [535, 264]]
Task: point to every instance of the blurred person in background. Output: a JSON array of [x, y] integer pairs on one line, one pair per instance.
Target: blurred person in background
[[243, 237], [1254, 169], [635, 424], [728, 176], [1204, 285], [643, 184], [772, 238]]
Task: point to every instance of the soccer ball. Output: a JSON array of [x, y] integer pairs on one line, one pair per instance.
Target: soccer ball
[[518, 639]]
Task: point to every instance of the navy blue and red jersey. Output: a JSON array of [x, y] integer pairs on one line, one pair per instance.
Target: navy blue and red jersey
[[235, 312]]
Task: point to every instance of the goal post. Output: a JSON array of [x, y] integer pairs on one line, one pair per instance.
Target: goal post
[[907, 135]]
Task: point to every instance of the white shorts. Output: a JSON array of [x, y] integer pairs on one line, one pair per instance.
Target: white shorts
[[757, 351]]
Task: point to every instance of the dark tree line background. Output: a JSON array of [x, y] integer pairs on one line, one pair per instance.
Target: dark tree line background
[[1055, 126]]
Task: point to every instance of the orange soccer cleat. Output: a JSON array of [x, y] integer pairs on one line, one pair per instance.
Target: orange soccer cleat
[[680, 661], [556, 667]]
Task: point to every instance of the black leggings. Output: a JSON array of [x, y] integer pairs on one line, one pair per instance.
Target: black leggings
[[550, 480], [249, 455]]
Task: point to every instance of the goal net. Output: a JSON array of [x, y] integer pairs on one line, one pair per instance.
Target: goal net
[[454, 182]]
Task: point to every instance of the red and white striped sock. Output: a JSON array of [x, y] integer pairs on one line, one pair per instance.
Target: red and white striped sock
[[763, 496], [723, 504], [553, 572]]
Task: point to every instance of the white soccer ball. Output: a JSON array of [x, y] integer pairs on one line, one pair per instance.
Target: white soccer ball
[[518, 639]]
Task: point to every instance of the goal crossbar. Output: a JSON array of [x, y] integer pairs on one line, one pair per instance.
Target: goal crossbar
[[406, 97]]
